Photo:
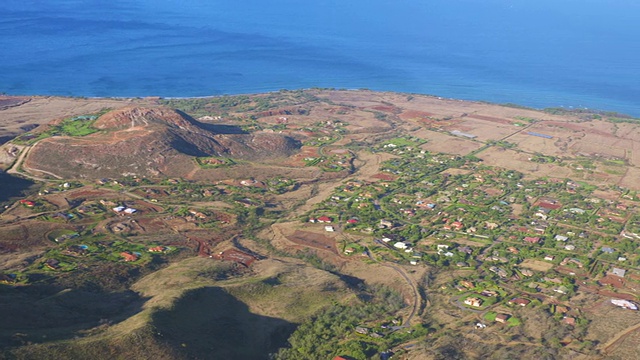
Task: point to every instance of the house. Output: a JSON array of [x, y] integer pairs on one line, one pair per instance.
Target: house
[[118, 209], [549, 257], [329, 228], [401, 245], [157, 249], [489, 293], [531, 240], [519, 301], [324, 219], [386, 224], [502, 318], [352, 221], [465, 249], [77, 250], [571, 321], [442, 247], [52, 264], [130, 211], [618, 272], [467, 284], [128, 256], [362, 330], [608, 250], [561, 238], [27, 203], [472, 301], [526, 272]]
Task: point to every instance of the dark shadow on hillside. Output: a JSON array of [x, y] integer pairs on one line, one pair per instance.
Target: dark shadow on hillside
[[12, 186], [223, 129], [43, 313], [209, 323], [216, 128]]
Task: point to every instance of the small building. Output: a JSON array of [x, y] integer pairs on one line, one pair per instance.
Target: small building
[[473, 301], [157, 249], [608, 250], [549, 257], [130, 211], [52, 264], [519, 301], [468, 284], [502, 318], [386, 224], [118, 209], [362, 330], [329, 228], [571, 321], [531, 240], [618, 272], [400, 245], [129, 256]]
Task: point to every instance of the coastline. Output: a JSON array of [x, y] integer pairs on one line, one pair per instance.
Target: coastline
[[553, 109]]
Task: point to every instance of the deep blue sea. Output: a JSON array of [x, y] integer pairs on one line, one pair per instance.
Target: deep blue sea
[[540, 53]]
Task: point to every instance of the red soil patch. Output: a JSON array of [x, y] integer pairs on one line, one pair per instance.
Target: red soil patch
[[313, 240], [305, 152], [89, 194], [152, 225], [414, 114], [236, 256], [615, 281], [389, 109], [492, 119], [385, 177]]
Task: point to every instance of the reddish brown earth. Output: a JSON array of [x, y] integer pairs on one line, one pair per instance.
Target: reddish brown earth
[[147, 141]]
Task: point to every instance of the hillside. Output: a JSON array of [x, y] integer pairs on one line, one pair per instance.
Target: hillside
[[144, 141], [320, 223]]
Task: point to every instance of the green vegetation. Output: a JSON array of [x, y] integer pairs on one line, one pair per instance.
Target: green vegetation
[[331, 332], [74, 126], [213, 162]]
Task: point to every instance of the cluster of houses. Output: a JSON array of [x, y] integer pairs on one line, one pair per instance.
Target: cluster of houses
[[124, 210]]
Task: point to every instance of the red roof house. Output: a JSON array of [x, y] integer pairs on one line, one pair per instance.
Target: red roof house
[[324, 219], [531, 240], [128, 256]]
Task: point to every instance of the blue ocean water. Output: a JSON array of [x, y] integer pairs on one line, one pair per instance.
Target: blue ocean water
[[542, 53]]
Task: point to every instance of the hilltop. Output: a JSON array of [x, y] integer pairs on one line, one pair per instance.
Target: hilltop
[[146, 141]]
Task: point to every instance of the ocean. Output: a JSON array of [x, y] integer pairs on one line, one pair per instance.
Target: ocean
[[543, 53]]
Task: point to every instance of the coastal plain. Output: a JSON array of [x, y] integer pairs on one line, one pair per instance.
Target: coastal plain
[[383, 223]]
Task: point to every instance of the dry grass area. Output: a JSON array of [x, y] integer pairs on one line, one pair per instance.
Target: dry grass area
[[537, 265], [444, 142], [40, 110], [609, 321], [518, 161], [313, 240]]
